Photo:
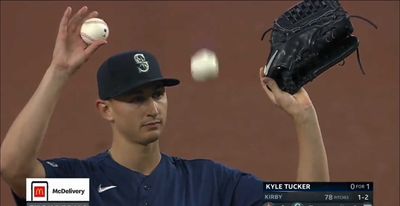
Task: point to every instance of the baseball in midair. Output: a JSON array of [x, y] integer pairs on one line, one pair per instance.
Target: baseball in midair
[[204, 65], [94, 29]]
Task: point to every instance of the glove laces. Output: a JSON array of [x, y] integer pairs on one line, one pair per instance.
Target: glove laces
[[265, 33], [358, 52]]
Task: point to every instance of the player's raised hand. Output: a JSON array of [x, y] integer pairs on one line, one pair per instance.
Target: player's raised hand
[[70, 51], [297, 105]]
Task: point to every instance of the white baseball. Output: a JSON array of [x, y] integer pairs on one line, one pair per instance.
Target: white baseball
[[204, 65], [94, 29]]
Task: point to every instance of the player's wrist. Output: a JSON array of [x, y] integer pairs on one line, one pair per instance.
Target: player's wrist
[[305, 116], [59, 72]]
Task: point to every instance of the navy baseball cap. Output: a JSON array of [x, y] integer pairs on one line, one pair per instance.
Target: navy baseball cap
[[127, 71]]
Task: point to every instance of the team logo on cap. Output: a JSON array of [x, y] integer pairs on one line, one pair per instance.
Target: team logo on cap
[[143, 65]]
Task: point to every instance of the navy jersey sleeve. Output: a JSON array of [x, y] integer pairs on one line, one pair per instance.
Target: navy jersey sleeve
[[241, 188], [63, 168]]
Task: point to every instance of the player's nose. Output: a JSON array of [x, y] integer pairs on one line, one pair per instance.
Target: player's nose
[[152, 108]]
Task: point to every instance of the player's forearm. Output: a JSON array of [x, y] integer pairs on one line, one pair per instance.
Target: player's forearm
[[313, 163], [22, 143]]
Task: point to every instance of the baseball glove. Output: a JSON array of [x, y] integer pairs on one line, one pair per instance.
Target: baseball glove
[[307, 40]]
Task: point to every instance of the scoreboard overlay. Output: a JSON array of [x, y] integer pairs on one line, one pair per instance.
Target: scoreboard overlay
[[318, 193]]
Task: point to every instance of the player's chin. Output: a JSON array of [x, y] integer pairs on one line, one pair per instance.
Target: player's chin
[[151, 137]]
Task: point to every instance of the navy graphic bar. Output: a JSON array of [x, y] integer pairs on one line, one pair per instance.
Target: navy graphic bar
[[317, 186]]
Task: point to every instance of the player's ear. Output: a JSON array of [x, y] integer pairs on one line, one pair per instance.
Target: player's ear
[[104, 109]]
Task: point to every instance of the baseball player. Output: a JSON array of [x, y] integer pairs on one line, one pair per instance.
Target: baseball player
[[132, 98]]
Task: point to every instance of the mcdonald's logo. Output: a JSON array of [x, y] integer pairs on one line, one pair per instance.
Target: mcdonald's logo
[[39, 191]]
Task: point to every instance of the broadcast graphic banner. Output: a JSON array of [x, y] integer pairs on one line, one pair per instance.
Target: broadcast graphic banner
[[57, 191], [318, 193]]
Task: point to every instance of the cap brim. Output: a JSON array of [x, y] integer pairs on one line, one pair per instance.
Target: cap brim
[[167, 82], [170, 82]]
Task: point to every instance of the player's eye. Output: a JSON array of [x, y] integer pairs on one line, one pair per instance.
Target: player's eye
[[158, 94], [137, 99]]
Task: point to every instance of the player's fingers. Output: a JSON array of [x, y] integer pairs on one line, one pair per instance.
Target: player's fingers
[[281, 98], [261, 73], [270, 95], [77, 18], [93, 47], [273, 86], [263, 78], [92, 14], [301, 95], [83, 16], [263, 82], [64, 21]]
